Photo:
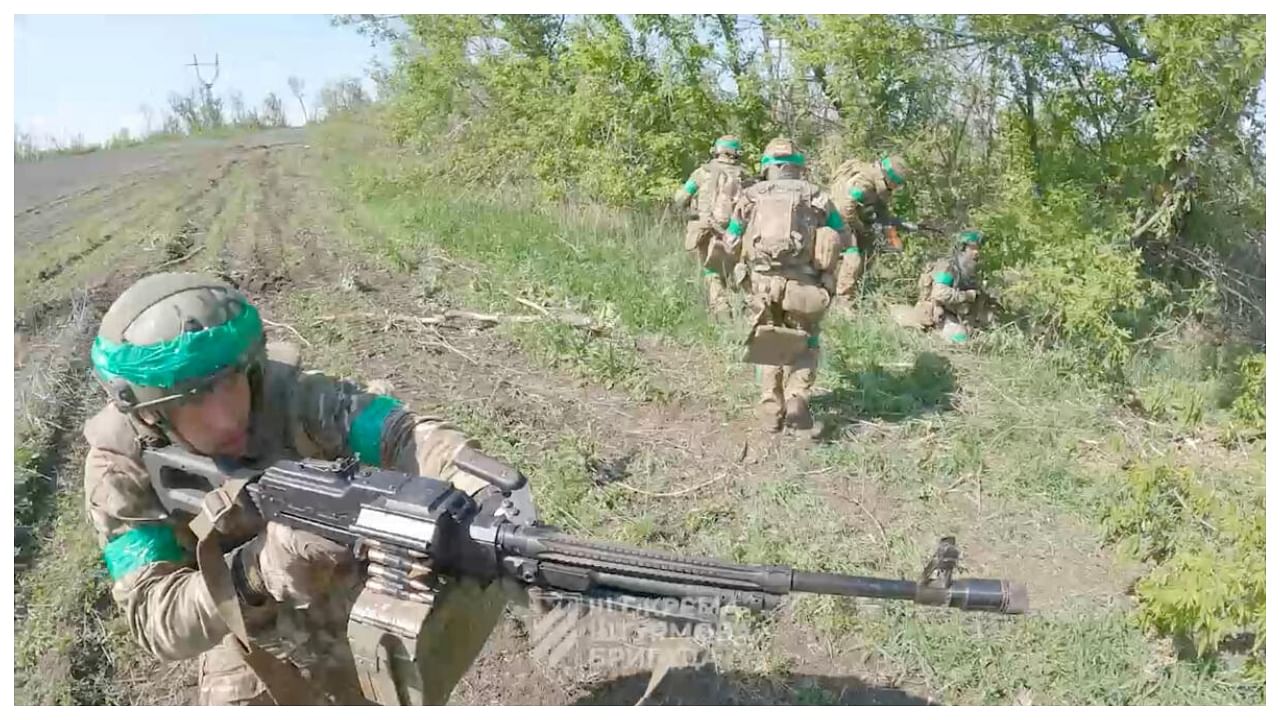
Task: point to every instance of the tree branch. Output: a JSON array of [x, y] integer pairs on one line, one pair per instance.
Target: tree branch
[[1117, 39]]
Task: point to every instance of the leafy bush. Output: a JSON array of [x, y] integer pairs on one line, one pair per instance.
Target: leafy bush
[[1207, 541], [1250, 406]]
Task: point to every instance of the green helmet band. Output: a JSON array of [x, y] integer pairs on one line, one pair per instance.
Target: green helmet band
[[733, 145], [971, 237], [795, 159], [189, 356], [891, 173]]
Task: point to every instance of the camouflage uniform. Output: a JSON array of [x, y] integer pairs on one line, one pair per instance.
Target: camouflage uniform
[[165, 602], [789, 297], [713, 188], [949, 299], [862, 192]]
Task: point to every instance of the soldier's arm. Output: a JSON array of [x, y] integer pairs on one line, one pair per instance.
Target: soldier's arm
[[688, 190], [738, 223], [836, 222], [944, 290], [160, 593], [338, 418]]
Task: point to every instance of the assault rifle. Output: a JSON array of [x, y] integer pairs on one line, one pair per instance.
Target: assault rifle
[[415, 533], [887, 233]]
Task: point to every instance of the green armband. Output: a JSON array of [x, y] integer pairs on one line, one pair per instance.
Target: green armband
[[855, 250], [365, 438], [139, 547], [735, 227], [944, 278], [834, 221], [691, 186]]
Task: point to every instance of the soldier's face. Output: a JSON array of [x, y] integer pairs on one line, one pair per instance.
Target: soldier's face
[[216, 422]]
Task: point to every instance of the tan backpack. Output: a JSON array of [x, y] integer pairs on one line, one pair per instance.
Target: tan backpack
[[782, 227], [847, 170], [725, 183]]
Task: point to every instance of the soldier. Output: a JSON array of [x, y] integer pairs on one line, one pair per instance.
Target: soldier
[[862, 192], [185, 361], [951, 298], [715, 185], [791, 238]]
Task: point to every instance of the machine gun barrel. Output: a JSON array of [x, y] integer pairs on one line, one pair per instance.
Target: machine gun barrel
[[568, 563]]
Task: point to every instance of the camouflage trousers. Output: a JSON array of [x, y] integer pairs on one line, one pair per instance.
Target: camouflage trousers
[[701, 239], [800, 305], [854, 261], [453, 636]]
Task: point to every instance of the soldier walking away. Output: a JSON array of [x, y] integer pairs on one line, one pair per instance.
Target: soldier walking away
[[713, 188], [791, 237]]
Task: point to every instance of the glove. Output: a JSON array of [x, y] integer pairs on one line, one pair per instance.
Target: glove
[[895, 242], [292, 566], [970, 295], [910, 227]]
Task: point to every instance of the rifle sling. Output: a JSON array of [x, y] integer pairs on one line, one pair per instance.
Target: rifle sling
[[284, 682]]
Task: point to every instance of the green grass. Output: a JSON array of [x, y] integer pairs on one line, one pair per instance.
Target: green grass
[[908, 413], [70, 645]]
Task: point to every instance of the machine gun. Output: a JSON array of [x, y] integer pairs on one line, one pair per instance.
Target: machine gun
[[415, 533]]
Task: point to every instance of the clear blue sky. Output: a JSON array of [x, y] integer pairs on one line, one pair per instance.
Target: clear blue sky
[[90, 73]]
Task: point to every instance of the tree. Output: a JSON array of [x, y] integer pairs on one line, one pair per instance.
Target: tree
[[273, 111], [341, 96], [297, 86]]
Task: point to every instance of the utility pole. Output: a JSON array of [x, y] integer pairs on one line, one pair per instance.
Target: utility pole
[[208, 84]]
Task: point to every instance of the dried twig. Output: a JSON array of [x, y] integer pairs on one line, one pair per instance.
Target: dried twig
[[448, 316], [677, 493], [440, 341], [179, 260], [531, 304], [290, 328], [884, 536]]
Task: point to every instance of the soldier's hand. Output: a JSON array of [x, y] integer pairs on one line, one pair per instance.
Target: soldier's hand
[[297, 567], [970, 295], [910, 227]]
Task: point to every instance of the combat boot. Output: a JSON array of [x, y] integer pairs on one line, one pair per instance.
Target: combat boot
[[770, 415], [800, 418], [798, 415]]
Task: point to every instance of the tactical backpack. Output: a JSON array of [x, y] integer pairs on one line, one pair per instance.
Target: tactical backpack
[[847, 170], [722, 190], [781, 230]]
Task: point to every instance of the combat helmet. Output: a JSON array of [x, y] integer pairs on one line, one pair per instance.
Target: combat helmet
[[727, 145], [782, 151], [174, 335], [782, 158], [895, 169]]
